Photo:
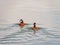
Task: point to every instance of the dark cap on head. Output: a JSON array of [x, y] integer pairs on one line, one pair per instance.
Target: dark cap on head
[[21, 20]]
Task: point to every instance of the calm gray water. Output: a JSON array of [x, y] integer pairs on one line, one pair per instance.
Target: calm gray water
[[11, 34]]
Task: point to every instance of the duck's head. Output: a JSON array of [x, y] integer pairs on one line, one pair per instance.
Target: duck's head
[[21, 20], [34, 23]]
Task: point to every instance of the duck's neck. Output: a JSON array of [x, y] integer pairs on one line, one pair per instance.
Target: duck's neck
[[34, 25]]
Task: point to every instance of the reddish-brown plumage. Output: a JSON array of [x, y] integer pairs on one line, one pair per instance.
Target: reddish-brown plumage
[[21, 24]]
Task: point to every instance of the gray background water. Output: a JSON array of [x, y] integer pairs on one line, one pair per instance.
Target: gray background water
[[44, 12]]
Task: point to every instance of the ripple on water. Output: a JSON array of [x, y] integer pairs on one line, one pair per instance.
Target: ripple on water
[[26, 36]]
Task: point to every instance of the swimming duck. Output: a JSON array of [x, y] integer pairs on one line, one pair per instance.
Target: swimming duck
[[34, 28], [21, 24]]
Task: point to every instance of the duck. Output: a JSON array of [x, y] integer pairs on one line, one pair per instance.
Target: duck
[[35, 28], [21, 24]]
